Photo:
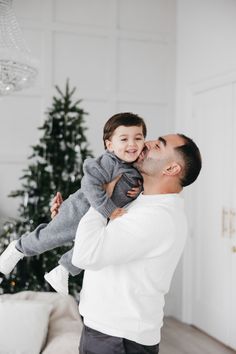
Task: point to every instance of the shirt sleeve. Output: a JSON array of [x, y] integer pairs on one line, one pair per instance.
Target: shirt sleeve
[[130, 237], [98, 172]]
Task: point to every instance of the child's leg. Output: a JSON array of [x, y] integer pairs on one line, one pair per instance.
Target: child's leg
[[58, 277], [59, 231], [65, 261]]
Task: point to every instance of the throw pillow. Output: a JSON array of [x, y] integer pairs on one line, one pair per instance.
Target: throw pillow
[[23, 326]]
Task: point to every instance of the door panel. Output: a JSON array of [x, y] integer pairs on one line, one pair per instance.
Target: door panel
[[212, 129]]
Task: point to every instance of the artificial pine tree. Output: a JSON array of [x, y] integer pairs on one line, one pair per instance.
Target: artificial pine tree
[[55, 165]]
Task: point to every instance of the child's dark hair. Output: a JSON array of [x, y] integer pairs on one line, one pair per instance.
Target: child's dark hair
[[127, 119]]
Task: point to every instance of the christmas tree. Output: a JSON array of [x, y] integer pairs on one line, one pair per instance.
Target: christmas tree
[[55, 165]]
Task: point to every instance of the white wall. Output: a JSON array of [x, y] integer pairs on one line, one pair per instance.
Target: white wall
[[206, 51], [120, 54]]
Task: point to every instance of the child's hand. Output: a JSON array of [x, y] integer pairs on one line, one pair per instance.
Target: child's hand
[[116, 213], [56, 203], [134, 192], [150, 144]]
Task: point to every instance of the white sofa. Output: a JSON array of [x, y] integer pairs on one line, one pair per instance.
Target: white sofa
[[50, 323]]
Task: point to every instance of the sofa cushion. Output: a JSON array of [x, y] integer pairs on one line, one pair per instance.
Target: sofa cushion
[[65, 325], [23, 326]]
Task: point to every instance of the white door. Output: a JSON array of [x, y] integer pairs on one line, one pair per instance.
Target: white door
[[212, 289], [232, 341]]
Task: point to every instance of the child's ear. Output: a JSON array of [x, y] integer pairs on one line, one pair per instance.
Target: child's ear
[[109, 145], [172, 169]]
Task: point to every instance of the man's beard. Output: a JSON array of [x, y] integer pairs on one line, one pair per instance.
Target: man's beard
[[149, 166], [140, 165]]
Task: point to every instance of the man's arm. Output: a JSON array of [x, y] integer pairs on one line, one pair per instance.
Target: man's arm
[[131, 237]]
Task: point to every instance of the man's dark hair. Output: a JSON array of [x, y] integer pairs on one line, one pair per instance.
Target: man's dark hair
[[127, 119], [192, 160]]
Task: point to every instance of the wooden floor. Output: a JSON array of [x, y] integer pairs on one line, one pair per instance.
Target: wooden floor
[[179, 338]]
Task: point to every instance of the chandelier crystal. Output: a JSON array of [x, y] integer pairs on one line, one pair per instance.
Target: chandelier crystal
[[17, 67]]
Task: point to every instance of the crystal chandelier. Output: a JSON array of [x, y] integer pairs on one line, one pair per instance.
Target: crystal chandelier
[[17, 67]]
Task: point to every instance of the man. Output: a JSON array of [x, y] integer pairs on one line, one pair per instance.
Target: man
[[129, 262]]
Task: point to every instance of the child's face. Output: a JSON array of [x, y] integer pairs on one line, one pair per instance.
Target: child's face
[[126, 142]]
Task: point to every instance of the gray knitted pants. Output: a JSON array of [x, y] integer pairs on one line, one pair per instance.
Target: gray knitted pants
[[61, 230]]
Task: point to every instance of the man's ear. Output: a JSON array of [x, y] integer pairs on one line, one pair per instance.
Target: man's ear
[[172, 169], [109, 145]]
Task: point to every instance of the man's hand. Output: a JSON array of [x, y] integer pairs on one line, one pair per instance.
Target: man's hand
[[116, 213], [56, 203]]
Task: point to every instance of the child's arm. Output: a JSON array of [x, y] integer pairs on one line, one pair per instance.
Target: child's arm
[[132, 193], [97, 173]]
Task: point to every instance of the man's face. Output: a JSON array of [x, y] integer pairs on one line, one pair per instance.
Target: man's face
[[158, 154]]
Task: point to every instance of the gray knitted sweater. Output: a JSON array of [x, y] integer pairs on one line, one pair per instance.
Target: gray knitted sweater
[[103, 170]]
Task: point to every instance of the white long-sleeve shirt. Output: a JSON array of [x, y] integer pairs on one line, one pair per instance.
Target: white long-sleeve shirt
[[128, 264]]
